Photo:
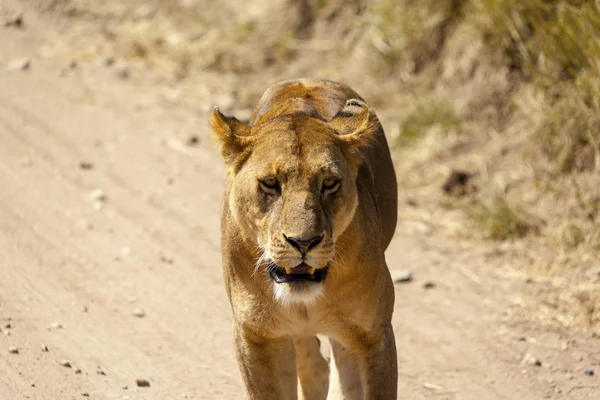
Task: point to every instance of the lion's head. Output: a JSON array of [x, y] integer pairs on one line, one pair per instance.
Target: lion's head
[[292, 187]]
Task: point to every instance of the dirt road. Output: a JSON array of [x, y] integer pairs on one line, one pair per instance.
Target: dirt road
[[109, 243]]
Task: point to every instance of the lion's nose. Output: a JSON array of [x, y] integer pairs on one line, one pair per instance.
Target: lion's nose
[[303, 245]]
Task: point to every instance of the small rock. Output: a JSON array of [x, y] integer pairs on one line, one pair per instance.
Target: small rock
[[142, 383], [45, 348], [123, 72], [15, 21], [138, 312], [77, 371], [530, 359], [13, 350], [32, 384], [402, 276], [97, 195], [166, 260], [6, 333], [85, 394], [193, 141], [125, 387], [429, 285], [100, 372], [65, 363], [144, 12], [26, 162], [19, 64], [432, 386], [85, 165], [56, 325], [8, 326], [589, 372]]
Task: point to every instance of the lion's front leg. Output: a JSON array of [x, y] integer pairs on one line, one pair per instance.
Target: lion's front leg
[[313, 370], [368, 373], [268, 366], [378, 368]]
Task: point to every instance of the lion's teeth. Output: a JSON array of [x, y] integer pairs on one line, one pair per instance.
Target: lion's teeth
[[311, 270], [288, 271]]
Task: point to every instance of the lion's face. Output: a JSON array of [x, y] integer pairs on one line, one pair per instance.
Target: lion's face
[[293, 193]]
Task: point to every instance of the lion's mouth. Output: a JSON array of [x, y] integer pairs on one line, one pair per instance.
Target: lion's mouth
[[302, 272]]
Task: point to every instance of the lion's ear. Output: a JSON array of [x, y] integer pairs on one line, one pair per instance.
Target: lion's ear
[[356, 124], [231, 134]]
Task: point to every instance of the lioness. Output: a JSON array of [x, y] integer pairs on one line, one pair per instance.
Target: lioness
[[310, 206]]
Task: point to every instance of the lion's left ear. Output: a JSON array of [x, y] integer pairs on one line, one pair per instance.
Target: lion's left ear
[[356, 124], [231, 134]]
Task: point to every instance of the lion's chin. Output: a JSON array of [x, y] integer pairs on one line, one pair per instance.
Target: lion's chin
[[298, 293]]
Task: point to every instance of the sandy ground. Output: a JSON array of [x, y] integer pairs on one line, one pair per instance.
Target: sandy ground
[[106, 213]]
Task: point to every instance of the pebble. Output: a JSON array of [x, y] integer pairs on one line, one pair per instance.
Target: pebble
[[138, 312], [97, 195], [142, 383], [85, 394], [15, 21], [589, 372], [77, 371], [193, 141], [429, 285], [19, 64], [402, 276], [26, 162], [56, 325], [45, 348], [13, 350], [65, 363], [530, 359], [123, 72]]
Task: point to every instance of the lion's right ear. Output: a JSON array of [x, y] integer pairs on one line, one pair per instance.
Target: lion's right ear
[[231, 134]]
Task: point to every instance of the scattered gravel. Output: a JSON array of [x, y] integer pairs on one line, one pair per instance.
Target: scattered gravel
[[15, 21], [138, 312], [530, 359], [429, 285], [142, 383], [402, 276], [19, 64]]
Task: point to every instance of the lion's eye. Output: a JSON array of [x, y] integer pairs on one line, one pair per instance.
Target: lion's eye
[[269, 185], [330, 185]]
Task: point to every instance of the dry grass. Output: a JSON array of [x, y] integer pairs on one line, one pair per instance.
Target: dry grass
[[499, 220], [432, 112]]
